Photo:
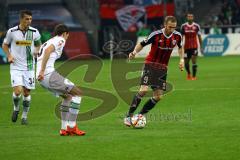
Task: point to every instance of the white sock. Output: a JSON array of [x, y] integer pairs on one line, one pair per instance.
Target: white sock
[[72, 124], [26, 106], [16, 100], [73, 113], [64, 124]]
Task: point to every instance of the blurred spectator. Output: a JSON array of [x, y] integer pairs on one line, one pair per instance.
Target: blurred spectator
[[143, 31], [45, 35], [214, 29]]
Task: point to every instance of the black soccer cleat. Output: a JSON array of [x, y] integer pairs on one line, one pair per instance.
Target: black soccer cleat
[[15, 116], [24, 121]]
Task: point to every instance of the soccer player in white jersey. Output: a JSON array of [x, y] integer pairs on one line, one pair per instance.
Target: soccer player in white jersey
[[50, 51], [20, 45]]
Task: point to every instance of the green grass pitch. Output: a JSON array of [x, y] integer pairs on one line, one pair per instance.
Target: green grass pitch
[[198, 120]]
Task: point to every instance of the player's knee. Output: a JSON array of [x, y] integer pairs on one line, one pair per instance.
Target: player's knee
[[76, 91], [26, 92], [142, 93], [17, 91], [157, 97]]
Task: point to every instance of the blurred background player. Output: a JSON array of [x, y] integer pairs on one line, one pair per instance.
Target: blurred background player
[[156, 63], [191, 31], [50, 51], [19, 46]]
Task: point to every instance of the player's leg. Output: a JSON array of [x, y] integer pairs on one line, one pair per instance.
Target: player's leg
[[64, 109], [194, 65], [137, 99], [29, 84], [187, 65], [135, 103], [16, 96], [73, 112], [26, 105], [71, 103], [17, 83], [157, 95]]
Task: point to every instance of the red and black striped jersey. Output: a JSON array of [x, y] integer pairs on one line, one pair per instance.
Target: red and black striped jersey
[[162, 46], [190, 32]]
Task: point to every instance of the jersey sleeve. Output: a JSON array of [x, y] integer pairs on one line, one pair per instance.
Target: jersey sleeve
[[182, 29], [199, 32], [8, 37], [179, 43], [37, 39], [148, 40]]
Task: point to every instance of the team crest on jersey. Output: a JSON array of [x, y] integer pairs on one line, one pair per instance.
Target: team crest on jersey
[[174, 42], [60, 43]]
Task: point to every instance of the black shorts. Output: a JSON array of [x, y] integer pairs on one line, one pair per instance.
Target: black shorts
[[191, 52], [154, 76]]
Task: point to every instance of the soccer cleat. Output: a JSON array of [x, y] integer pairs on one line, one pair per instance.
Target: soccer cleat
[[75, 131], [194, 78], [127, 121], [63, 132], [15, 116], [24, 121], [189, 77]]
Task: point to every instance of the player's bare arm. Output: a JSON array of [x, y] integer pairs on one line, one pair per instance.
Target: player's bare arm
[[46, 56], [37, 48], [137, 49], [9, 55], [181, 55], [200, 42]]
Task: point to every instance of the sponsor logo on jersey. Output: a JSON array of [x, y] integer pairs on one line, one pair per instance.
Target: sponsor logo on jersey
[[24, 43], [174, 42]]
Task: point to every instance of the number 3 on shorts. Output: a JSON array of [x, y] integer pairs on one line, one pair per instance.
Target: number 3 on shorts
[[31, 81]]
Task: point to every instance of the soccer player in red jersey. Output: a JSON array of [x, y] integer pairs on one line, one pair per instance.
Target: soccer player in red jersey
[[191, 32], [156, 64]]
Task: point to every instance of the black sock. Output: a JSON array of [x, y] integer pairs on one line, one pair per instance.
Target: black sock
[[194, 68], [135, 102], [187, 68], [148, 106]]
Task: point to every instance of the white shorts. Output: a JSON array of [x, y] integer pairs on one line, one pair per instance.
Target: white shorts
[[57, 84], [23, 78]]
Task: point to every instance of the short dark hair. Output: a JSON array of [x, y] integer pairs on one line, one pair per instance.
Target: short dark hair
[[25, 12], [189, 13], [170, 19], [60, 29]]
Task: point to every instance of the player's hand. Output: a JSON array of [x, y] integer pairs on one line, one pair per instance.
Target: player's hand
[[181, 64], [10, 58], [41, 76], [131, 55]]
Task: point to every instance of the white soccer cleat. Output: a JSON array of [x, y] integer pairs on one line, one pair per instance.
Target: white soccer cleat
[[127, 121]]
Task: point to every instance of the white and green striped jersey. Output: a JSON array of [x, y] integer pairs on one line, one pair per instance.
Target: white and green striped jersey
[[22, 47]]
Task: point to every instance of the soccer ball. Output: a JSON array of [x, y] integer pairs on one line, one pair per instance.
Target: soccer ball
[[138, 121]]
